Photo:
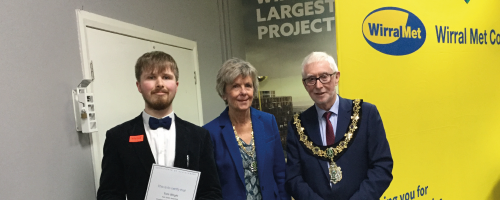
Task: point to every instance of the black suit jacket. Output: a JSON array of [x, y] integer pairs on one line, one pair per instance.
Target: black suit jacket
[[126, 166]]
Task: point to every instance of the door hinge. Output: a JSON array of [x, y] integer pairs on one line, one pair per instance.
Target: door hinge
[[92, 70]]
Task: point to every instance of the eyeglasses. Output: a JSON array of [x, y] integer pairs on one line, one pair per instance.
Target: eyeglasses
[[323, 78]]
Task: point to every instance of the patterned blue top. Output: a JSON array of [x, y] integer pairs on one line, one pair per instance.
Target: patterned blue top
[[251, 179]]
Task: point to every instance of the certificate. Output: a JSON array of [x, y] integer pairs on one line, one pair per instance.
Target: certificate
[[172, 183]]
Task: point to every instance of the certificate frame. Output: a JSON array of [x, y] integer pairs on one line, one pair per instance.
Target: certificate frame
[[171, 182]]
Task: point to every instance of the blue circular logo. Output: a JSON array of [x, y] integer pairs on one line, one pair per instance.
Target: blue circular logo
[[394, 31]]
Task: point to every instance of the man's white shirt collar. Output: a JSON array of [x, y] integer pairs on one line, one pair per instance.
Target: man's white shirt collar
[[161, 141], [334, 109]]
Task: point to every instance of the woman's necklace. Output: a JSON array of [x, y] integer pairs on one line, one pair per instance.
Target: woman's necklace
[[253, 166]]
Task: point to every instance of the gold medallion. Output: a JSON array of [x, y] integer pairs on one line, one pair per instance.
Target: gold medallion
[[253, 167], [251, 154], [334, 152], [335, 173]]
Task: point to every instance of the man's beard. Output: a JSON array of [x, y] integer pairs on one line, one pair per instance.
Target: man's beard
[[158, 103]]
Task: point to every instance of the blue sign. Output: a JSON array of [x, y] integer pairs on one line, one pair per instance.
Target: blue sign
[[394, 31]]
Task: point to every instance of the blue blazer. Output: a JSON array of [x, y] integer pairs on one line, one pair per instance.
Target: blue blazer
[[366, 165], [270, 158]]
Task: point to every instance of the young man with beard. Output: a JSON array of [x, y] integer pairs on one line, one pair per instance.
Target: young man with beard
[[158, 136]]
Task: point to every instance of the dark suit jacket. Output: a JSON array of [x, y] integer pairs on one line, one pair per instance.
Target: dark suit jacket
[[126, 166], [270, 158], [366, 165]]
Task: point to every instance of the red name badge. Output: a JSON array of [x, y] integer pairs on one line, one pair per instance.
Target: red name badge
[[136, 138]]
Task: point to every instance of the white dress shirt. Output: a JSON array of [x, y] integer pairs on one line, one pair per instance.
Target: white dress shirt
[[333, 119], [161, 141]]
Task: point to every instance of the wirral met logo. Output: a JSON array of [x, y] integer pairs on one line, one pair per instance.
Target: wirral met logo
[[394, 31]]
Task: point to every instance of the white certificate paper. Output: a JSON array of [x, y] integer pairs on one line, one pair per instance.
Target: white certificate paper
[[172, 183]]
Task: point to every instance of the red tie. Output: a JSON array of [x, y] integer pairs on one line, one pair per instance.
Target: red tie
[[330, 136]]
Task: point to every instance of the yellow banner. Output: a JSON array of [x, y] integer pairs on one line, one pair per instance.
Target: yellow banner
[[432, 68]]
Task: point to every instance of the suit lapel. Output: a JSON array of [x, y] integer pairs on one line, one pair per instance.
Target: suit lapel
[[232, 145], [142, 148], [344, 118], [181, 143], [311, 124], [260, 138]]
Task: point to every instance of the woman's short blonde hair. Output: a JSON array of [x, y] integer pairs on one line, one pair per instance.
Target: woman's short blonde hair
[[230, 70]]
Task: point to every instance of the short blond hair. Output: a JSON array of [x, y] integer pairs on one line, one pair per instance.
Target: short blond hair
[[155, 60], [230, 70]]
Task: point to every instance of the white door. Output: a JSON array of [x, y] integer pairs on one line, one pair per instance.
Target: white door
[[112, 49]]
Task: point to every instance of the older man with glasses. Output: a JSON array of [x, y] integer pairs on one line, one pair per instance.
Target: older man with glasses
[[337, 149]]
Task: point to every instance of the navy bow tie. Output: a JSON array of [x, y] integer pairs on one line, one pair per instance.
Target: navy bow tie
[[155, 123]]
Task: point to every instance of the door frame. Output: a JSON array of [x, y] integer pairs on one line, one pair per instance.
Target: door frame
[[89, 20]]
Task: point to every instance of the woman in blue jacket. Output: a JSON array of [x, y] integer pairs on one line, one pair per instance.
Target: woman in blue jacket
[[246, 141]]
